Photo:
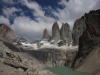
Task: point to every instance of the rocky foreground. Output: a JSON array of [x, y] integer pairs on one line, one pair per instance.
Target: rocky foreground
[[15, 62]]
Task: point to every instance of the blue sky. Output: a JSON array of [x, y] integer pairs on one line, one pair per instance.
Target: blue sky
[[28, 18]]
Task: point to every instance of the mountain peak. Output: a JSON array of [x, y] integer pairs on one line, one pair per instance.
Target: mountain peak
[[46, 36], [6, 32]]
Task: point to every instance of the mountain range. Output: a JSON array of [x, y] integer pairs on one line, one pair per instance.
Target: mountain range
[[25, 57]]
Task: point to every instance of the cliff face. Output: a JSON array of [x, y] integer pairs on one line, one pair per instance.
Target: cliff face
[[6, 32], [89, 39], [79, 27], [66, 34], [55, 33], [55, 57]]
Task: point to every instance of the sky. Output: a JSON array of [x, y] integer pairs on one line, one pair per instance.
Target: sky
[[28, 18]]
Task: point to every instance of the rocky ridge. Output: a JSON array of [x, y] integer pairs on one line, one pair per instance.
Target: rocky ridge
[[87, 42], [6, 32], [15, 61], [19, 63], [78, 29]]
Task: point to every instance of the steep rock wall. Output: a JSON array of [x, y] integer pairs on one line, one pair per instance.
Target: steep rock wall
[[54, 57]]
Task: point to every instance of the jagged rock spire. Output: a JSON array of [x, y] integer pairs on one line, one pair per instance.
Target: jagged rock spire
[[55, 33], [66, 34], [46, 36]]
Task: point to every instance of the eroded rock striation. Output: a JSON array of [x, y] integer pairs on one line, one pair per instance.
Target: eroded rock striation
[[6, 32], [46, 36], [66, 34], [87, 43], [79, 27], [55, 57]]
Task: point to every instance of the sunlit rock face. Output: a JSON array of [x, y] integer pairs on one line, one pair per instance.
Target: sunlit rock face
[[66, 34], [6, 32]]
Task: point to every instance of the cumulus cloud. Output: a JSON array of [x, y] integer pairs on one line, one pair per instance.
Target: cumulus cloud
[[8, 1], [9, 12], [4, 20], [37, 11], [33, 28], [74, 9], [25, 27]]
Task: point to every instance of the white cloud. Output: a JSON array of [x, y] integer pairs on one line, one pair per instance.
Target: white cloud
[[74, 9], [28, 28], [37, 11], [9, 12], [4, 20], [8, 1], [34, 6]]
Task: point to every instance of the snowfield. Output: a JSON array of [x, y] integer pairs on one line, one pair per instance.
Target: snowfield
[[46, 44], [30, 45]]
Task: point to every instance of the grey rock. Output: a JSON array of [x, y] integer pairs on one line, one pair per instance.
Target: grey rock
[[18, 63], [55, 57], [61, 43], [1, 54], [10, 45], [66, 34], [90, 37], [79, 27], [15, 64], [55, 33], [18, 40], [46, 36], [6, 32], [20, 69]]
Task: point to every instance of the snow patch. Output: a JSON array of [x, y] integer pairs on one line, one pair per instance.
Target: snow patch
[[30, 45]]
